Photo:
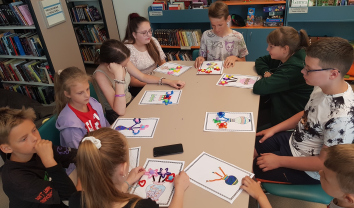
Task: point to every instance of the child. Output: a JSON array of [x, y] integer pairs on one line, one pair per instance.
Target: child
[[105, 155], [254, 189], [33, 174], [282, 79], [337, 178], [337, 175], [145, 51], [113, 78], [78, 112], [295, 158], [221, 43]]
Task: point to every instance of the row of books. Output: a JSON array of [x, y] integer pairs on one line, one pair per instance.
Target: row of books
[[88, 53], [84, 13], [159, 5], [90, 33], [172, 37], [43, 94], [25, 71], [179, 56], [16, 13], [19, 44]]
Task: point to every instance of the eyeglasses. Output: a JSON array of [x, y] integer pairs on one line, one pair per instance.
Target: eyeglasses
[[146, 33], [314, 70]]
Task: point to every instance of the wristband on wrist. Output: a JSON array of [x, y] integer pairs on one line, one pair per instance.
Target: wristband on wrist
[[119, 81], [128, 185], [119, 95], [160, 81]]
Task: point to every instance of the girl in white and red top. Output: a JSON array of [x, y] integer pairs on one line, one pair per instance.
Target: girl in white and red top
[[145, 51], [78, 113]]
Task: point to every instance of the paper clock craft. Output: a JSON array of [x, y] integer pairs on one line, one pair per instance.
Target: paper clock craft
[[136, 127], [160, 97], [229, 121], [211, 67], [172, 69], [236, 80], [157, 182], [218, 177]]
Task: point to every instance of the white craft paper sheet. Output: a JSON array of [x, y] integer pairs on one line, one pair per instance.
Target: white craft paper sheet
[[173, 166], [241, 80], [205, 66], [202, 168], [165, 69], [243, 122], [154, 97], [134, 157], [148, 132]]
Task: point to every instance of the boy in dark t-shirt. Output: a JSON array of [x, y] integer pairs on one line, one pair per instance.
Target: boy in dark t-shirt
[[33, 174]]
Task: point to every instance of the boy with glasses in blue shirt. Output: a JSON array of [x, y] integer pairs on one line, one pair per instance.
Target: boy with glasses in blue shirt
[[288, 157]]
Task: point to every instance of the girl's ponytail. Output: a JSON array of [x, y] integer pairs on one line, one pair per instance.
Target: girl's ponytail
[[304, 39], [96, 168]]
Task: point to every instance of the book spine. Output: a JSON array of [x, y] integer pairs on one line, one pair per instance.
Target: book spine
[[13, 45], [26, 14], [15, 14], [13, 73], [19, 46], [22, 18]]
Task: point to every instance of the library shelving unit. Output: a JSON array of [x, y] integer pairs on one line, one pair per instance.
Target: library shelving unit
[[58, 43], [324, 21], [105, 9], [255, 36], [14, 84], [180, 19]]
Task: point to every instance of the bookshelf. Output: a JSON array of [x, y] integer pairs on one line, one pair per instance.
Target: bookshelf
[[324, 21], [189, 19], [90, 25], [25, 64], [230, 3], [59, 51]]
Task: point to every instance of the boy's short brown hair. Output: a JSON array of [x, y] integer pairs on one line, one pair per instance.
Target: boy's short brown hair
[[218, 10], [333, 53], [9, 118], [340, 159]]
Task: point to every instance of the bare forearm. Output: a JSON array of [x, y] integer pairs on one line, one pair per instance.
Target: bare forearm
[[288, 124], [264, 202], [177, 201], [119, 103], [312, 163], [134, 82]]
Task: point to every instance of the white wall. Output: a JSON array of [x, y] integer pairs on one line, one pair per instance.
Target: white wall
[[123, 8]]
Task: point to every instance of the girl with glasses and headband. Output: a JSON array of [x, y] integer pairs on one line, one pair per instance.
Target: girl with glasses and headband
[[282, 85], [146, 52]]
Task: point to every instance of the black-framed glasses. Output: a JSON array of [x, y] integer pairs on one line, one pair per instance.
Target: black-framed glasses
[[146, 33], [315, 70]]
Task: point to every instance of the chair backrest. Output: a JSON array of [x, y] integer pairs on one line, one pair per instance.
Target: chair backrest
[[49, 132], [311, 193], [195, 54]]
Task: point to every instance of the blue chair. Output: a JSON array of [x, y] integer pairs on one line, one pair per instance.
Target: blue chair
[[195, 54], [310, 193], [49, 132], [93, 92]]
